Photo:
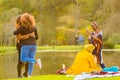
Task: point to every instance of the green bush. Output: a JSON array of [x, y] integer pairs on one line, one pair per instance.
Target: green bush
[[117, 47]]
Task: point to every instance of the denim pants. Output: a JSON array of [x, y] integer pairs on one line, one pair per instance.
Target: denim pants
[[27, 55]]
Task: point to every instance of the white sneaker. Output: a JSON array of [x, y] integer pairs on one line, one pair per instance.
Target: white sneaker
[[29, 76], [39, 63]]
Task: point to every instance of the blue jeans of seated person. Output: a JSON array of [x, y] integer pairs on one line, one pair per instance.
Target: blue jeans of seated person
[[27, 55]]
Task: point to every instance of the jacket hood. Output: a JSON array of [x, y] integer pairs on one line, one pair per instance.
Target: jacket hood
[[89, 47]]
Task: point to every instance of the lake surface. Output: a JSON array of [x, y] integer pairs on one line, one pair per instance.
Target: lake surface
[[51, 62]]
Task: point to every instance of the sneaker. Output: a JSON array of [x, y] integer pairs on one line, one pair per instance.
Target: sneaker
[[29, 76], [39, 63], [25, 75], [19, 76]]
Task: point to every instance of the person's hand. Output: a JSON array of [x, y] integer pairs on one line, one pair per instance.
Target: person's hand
[[32, 34], [23, 36], [88, 33]]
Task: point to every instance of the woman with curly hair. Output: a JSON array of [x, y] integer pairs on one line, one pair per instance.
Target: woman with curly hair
[[28, 45]]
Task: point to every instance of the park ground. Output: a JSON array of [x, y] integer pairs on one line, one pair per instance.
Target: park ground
[[61, 77]]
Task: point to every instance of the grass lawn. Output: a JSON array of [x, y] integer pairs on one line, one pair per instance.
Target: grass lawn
[[12, 49], [106, 78], [46, 77], [62, 77]]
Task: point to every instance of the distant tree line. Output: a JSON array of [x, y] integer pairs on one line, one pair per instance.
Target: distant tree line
[[53, 26]]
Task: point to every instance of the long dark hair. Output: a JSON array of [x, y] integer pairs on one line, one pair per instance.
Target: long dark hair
[[18, 22]]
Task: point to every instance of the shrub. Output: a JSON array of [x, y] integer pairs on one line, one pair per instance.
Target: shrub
[[117, 47]]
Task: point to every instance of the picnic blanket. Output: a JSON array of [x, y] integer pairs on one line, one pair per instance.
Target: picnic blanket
[[106, 72], [86, 75]]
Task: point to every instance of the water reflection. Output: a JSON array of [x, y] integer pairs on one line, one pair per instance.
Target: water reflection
[[51, 61], [111, 58]]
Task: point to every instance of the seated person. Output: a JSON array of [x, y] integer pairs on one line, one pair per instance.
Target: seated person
[[84, 62]]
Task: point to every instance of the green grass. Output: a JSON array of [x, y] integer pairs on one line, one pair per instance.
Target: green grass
[[71, 47], [4, 49], [7, 50], [107, 78], [46, 77], [62, 77], [12, 49]]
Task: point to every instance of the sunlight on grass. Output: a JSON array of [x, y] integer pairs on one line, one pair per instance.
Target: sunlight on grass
[[12, 49], [46, 77], [62, 77], [107, 78]]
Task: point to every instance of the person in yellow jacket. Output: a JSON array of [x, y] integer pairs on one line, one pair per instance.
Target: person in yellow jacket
[[84, 62]]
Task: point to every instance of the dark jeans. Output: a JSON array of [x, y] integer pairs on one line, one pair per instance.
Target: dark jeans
[[20, 64], [99, 58], [102, 65]]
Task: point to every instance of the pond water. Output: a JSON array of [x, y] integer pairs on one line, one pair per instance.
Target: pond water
[[51, 62]]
